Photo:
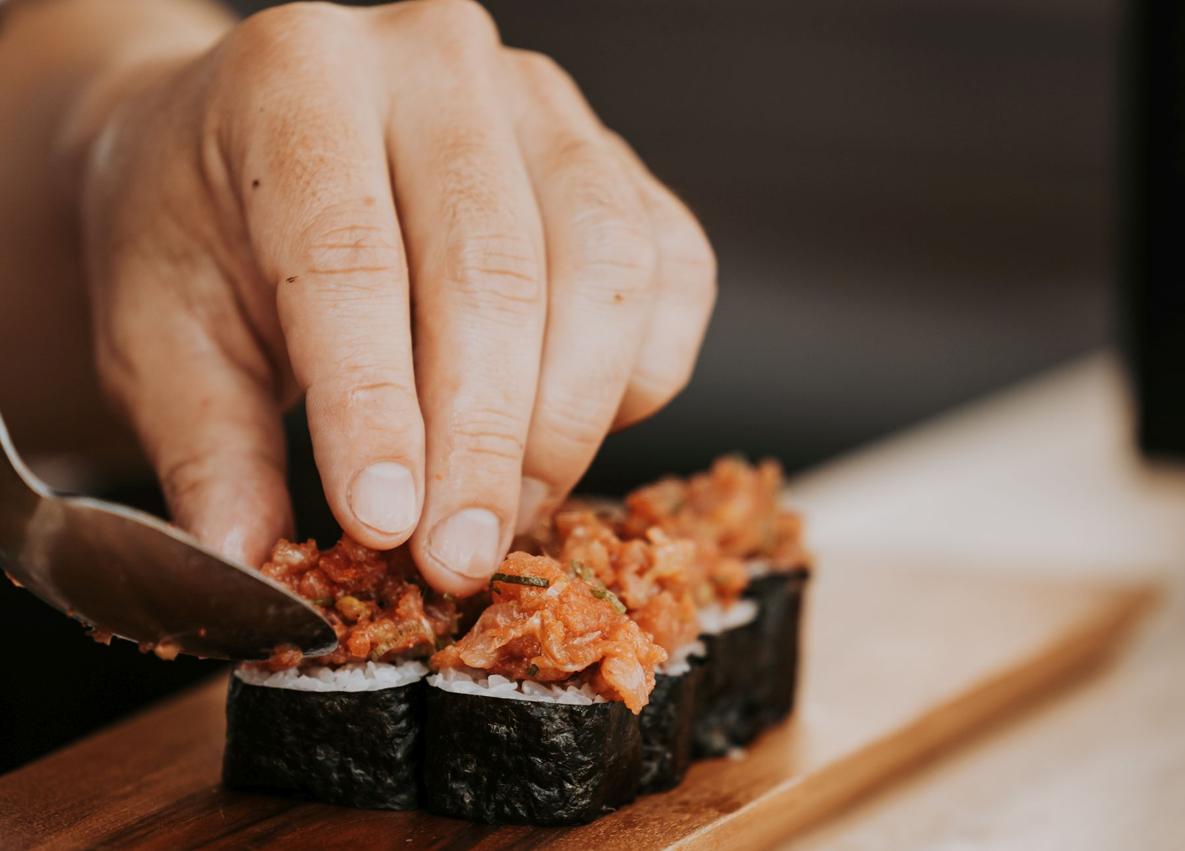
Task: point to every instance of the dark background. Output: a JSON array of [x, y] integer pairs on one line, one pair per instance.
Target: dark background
[[910, 200]]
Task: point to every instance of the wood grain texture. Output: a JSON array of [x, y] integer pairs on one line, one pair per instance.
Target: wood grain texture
[[900, 663], [1051, 464]]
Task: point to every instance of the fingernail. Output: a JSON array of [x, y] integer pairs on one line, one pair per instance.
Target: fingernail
[[531, 499], [468, 542], [383, 496]]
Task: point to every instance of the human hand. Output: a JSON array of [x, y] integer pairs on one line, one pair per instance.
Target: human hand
[[426, 234]]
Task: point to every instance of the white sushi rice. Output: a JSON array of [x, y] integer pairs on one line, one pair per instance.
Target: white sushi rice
[[468, 681], [715, 619], [679, 662], [371, 676], [756, 568]]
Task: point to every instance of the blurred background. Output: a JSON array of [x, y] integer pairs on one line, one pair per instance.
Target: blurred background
[[911, 203], [910, 200]]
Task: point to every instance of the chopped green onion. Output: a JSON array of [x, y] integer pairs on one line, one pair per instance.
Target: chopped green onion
[[380, 650], [581, 570], [609, 597], [512, 579]]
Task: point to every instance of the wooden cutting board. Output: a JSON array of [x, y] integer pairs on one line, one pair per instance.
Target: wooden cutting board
[[899, 664]]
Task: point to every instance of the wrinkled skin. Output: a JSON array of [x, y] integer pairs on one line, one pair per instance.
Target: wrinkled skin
[[374, 604], [207, 220], [558, 632], [651, 576]]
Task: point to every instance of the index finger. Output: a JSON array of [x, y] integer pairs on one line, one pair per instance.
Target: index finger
[[322, 222]]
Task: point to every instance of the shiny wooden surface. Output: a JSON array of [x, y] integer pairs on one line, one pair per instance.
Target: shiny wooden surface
[[902, 661], [1042, 475]]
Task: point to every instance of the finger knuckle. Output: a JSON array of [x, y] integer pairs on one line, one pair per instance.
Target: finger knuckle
[[704, 291], [359, 387], [687, 251], [487, 435], [292, 27], [367, 398], [573, 430], [376, 391], [544, 72], [501, 274], [614, 255], [614, 247], [350, 250], [190, 472], [617, 142], [697, 291], [459, 24], [582, 160], [184, 476]]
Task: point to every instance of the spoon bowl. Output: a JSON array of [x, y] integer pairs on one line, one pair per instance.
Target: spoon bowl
[[130, 574]]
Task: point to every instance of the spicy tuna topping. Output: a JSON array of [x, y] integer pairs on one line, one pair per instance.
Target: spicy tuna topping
[[374, 601], [548, 624], [651, 576], [733, 506]]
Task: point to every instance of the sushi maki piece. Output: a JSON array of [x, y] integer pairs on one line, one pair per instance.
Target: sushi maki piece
[[779, 568], [729, 712], [348, 735], [779, 596], [532, 716], [751, 556], [651, 577], [345, 728], [502, 752], [668, 721]]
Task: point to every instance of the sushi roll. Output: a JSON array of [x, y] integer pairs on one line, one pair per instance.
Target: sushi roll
[[532, 715], [345, 728], [348, 735], [652, 578]]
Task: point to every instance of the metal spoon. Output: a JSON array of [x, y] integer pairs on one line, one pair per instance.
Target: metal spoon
[[130, 574]]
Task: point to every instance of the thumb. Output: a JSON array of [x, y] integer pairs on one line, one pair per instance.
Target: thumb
[[209, 422]]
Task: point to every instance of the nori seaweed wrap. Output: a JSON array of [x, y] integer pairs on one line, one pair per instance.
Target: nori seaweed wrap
[[751, 673], [356, 748], [667, 724], [502, 760], [779, 599], [730, 709]]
